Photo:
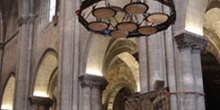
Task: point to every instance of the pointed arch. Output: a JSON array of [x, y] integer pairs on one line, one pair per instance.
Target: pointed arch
[[8, 94], [47, 67]]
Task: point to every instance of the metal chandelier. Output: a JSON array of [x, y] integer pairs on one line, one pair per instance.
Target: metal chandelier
[[126, 19]]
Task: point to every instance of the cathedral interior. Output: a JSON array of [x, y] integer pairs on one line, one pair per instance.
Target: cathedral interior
[[49, 61]]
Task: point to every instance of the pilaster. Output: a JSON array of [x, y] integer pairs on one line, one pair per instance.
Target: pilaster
[[197, 71], [40, 103], [92, 87], [142, 52], [170, 67], [155, 52], [190, 83]]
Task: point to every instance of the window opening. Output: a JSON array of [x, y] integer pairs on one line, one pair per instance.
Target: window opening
[[52, 9]]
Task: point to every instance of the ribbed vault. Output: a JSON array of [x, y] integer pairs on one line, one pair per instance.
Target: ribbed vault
[[120, 69]]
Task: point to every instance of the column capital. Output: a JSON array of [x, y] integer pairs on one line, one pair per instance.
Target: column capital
[[187, 39], [45, 101], [93, 81], [23, 20]]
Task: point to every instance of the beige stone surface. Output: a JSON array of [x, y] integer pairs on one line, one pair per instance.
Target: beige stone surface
[[75, 51]]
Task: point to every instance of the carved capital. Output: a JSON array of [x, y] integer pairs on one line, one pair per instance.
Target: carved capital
[[22, 20], [187, 39], [44, 101], [93, 81]]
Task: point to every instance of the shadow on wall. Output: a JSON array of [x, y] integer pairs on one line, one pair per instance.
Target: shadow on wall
[[211, 79]]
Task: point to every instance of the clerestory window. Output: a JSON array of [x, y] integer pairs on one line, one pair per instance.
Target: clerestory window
[[52, 10], [48, 13]]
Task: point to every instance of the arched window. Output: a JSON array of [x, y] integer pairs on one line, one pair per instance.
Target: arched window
[[46, 78], [8, 96], [48, 11], [52, 10]]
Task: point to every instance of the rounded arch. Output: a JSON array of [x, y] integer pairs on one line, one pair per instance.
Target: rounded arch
[[120, 69], [119, 75], [111, 95], [195, 16], [116, 47], [94, 54], [8, 94], [47, 69], [213, 4], [119, 100], [211, 57], [212, 30], [190, 16], [131, 62]]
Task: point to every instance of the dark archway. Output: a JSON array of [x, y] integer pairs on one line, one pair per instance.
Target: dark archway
[[119, 99], [211, 78]]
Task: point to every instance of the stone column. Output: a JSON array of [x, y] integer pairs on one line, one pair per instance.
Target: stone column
[[156, 52], [22, 71], [170, 67], [92, 87], [197, 71], [142, 52], [40, 103], [187, 79], [69, 53]]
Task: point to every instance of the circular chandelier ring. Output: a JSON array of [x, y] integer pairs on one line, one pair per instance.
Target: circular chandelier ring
[[127, 20]]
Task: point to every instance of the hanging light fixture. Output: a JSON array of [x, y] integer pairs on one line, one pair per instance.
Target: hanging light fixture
[[125, 18]]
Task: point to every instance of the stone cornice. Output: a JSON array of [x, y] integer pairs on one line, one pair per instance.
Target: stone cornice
[[187, 39], [45, 101], [93, 81]]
